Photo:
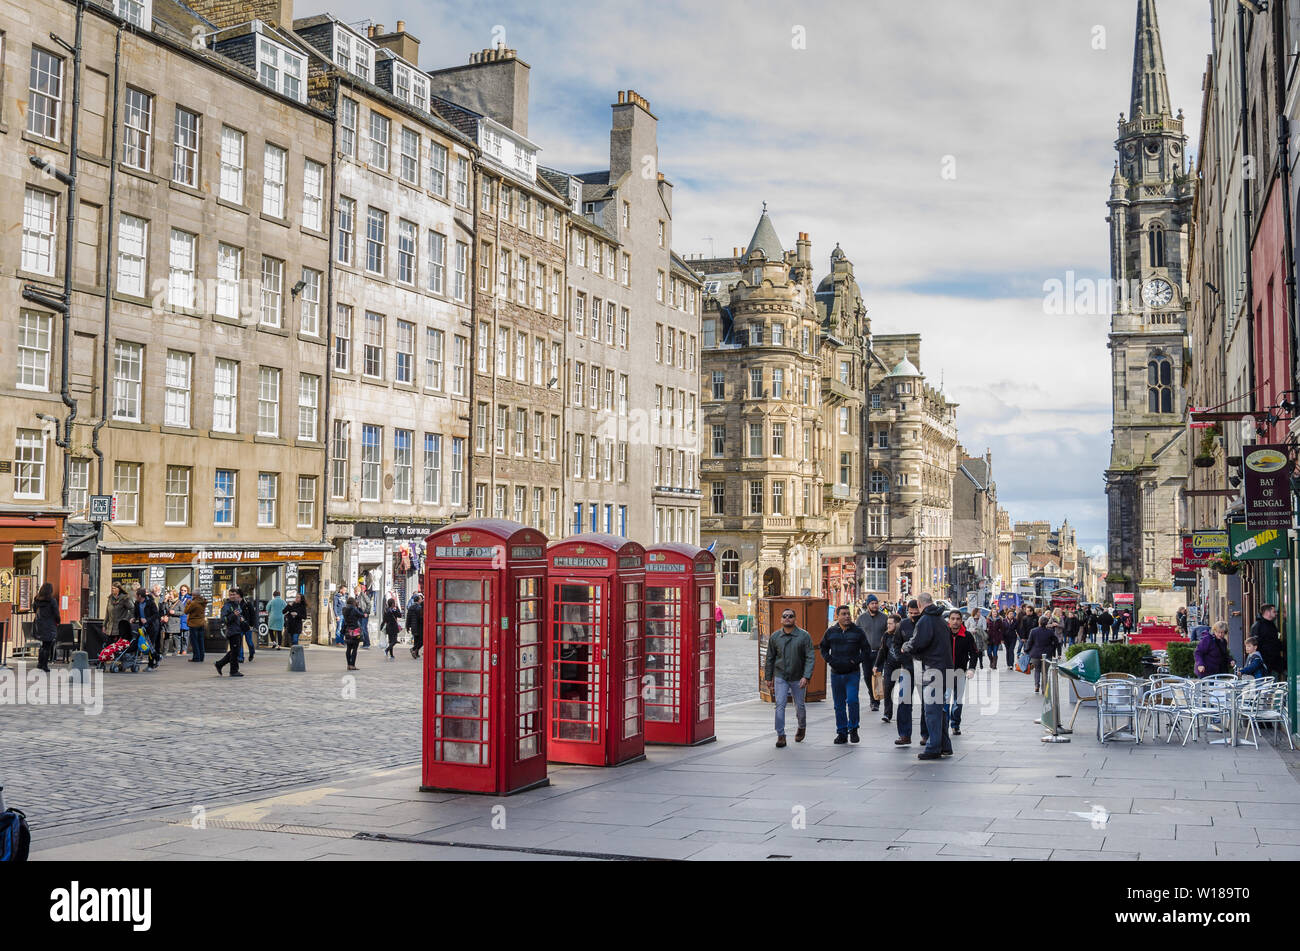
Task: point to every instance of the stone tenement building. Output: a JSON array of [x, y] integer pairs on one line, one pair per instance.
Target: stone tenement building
[[196, 382], [912, 466], [768, 356], [518, 432], [1150, 218], [632, 423], [401, 322], [975, 524]]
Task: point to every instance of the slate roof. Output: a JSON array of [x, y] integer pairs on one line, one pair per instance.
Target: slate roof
[[765, 240]]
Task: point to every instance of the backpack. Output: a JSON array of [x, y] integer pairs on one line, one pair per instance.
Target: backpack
[[15, 836]]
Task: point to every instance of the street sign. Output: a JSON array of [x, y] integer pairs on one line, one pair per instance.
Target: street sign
[[1251, 545], [101, 508], [1268, 487], [1199, 548]]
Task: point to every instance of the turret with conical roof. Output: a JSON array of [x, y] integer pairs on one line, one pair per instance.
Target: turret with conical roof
[[765, 240]]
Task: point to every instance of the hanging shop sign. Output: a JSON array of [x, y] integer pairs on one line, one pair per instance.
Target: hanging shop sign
[[1268, 487], [1250, 545]]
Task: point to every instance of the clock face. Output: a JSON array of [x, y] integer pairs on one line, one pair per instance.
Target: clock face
[[1157, 293]]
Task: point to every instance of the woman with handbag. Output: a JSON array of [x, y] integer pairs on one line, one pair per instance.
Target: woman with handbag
[[392, 625], [351, 632]]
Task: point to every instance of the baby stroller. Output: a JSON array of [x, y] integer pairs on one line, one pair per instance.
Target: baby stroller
[[128, 654]]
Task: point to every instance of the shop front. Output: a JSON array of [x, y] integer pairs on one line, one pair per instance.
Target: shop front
[[31, 546], [257, 572], [388, 557], [839, 580]]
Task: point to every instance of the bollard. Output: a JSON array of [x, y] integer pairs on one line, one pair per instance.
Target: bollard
[[297, 659], [79, 669]]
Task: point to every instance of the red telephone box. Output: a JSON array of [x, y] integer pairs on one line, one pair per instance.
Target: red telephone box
[[595, 642], [679, 645], [484, 670]]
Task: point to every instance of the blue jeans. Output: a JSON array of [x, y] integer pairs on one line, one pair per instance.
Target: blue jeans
[[338, 629], [953, 699], [934, 711], [196, 643], [785, 689], [844, 688], [250, 637], [365, 631]]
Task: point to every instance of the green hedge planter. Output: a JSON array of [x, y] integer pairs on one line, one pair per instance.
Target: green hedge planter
[[1182, 658]]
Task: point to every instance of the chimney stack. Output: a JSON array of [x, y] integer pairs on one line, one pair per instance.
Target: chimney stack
[[494, 83], [400, 42]]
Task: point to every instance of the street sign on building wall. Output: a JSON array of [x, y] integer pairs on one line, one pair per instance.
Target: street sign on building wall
[[1268, 487]]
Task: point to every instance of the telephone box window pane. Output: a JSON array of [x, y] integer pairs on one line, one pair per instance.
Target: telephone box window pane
[[575, 663], [528, 676], [461, 638], [705, 698], [633, 663], [663, 618]]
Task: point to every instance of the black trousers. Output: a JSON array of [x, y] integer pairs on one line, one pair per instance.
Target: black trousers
[[45, 656], [392, 642], [418, 645], [232, 656], [351, 650]]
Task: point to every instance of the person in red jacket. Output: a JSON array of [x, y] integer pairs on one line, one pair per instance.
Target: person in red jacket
[[965, 657]]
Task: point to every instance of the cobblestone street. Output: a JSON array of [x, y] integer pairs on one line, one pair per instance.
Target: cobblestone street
[[181, 735]]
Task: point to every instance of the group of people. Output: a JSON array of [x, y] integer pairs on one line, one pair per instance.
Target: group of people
[[352, 622], [173, 620], [239, 622], [930, 647], [1263, 648]]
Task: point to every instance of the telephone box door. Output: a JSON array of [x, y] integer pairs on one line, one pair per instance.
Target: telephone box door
[[666, 697], [702, 713], [461, 680], [578, 682], [627, 720]]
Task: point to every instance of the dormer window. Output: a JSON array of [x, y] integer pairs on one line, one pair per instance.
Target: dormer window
[[409, 85], [281, 69], [136, 12]]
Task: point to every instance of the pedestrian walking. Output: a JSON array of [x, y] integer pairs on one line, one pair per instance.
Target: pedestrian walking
[[46, 609], [997, 626], [719, 619], [931, 644], [146, 618], [363, 604], [251, 626], [888, 660], [117, 616], [392, 625], [351, 632], [872, 620], [966, 653], [294, 615], [1212, 654], [905, 673], [844, 648], [1105, 622], [787, 670], [978, 628], [170, 621], [275, 619], [235, 626], [337, 605], [196, 620], [1040, 646], [1264, 630], [415, 625]]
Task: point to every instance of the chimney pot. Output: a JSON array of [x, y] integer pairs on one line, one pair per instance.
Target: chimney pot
[[379, 30], [401, 26], [620, 96]]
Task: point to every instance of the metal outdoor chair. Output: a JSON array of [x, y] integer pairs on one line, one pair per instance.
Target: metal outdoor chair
[[1188, 710], [1266, 704], [1223, 696], [1159, 700], [1117, 708]]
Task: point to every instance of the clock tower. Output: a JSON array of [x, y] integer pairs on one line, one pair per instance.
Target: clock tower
[[1150, 205]]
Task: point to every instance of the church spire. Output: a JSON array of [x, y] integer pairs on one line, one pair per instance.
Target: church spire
[[1150, 85]]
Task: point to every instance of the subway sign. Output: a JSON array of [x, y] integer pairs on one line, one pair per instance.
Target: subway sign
[[1267, 545]]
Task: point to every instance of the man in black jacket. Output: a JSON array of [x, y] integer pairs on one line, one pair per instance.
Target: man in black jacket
[[1265, 633], [872, 621], [897, 673], [415, 624], [844, 648], [232, 619], [965, 656], [146, 613], [931, 644]]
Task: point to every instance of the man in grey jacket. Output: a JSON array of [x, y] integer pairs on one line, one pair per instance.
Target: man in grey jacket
[[931, 644], [872, 622], [788, 669]]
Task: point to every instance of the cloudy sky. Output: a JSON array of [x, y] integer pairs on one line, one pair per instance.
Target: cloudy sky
[[960, 152]]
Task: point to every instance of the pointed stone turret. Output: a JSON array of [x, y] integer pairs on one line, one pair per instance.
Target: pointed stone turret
[[1150, 84], [765, 240]]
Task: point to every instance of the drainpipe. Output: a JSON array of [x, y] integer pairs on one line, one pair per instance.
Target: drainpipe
[[328, 434], [1245, 207], [472, 356]]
